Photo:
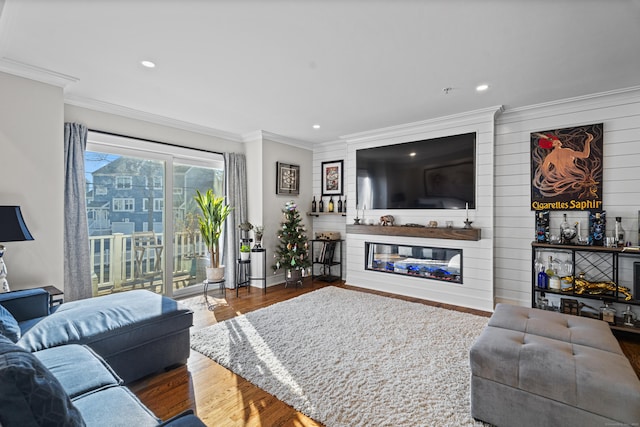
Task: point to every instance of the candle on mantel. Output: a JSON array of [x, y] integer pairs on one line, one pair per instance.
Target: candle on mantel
[[467, 208]]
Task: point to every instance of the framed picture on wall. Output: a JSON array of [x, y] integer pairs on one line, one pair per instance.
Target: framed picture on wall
[[332, 178], [287, 179]]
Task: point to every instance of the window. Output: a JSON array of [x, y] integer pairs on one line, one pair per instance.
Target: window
[[161, 181], [123, 205], [124, 182]]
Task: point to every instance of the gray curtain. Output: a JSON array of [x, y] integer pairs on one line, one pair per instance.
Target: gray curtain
[[77, 266], [235, 166]]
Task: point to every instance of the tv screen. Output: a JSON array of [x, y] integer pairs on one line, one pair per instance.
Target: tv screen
[[437, 173]]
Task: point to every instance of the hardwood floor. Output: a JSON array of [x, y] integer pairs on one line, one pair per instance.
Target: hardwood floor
[[220, 398]]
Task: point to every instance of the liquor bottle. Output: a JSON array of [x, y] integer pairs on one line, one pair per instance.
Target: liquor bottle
[[340, 204], [344, 205], [313, 204], [618, 232], [597, 228], [554, 279], [542, 226], [543, 279], [321, 205], [608, 314], [331, 204], [567, 231]]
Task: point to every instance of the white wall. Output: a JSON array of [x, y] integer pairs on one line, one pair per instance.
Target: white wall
[[272, 211], [31, 159], [477, 290], [620, 113]]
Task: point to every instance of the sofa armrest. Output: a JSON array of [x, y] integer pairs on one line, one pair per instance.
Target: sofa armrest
[[26, 304], [184, 419]]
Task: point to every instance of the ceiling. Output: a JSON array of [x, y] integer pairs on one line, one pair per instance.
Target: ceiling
[[235, 67]]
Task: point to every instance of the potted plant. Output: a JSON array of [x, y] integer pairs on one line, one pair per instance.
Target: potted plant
[[244, 252], [214, 212]]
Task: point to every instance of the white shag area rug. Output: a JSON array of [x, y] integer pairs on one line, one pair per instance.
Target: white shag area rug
[[348, 358]]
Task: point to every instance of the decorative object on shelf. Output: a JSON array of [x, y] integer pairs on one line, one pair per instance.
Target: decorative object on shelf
[[467, 223], [321, 205], [328, 235], [292, 249], [584, 286], [618, 233], [245, 251], [433, 224], [340, 204], [608, 313], [567, 168], [597, 227], [287, 179], [314, 205], [569, 306], [331, 205], [449, 224], [344, 205], [567, 231], [542, 226], [332, 178], [629, 317], [257, 234], [214, 211], [387, 220], [245, 228], [12, 229], [356, 221]]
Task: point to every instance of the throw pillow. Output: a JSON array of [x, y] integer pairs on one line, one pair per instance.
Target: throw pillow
[[9, 325], [29, 394]]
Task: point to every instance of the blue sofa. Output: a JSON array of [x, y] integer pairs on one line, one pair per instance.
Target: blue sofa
[[51, 369]]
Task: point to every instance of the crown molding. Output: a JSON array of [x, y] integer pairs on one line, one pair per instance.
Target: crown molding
[[416, 127], [262, 134], [119, 110], [32, 72]]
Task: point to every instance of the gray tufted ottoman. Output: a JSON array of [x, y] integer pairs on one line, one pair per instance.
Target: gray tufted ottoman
[[531, 367]]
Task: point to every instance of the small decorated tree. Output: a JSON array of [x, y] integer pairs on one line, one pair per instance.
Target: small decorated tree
[[292, 250]]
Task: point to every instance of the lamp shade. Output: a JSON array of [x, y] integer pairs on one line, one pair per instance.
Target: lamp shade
[[12, 226]]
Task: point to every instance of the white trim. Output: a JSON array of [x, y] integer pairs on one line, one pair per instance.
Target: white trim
[[28, 71], [119, 110], [260, 135]]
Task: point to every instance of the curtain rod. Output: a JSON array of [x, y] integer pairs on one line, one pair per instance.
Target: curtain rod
[[154, 141]]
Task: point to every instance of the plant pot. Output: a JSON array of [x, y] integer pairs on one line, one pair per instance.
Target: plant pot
[[215, 274], [244, 256]]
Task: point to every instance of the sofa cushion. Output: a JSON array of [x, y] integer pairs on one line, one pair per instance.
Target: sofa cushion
[[572, 329], [110, 323], [9, 325], [78, 368], [29, 394], [114, 406]]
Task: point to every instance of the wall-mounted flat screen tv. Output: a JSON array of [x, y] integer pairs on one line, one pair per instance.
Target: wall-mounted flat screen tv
[[437, 173]]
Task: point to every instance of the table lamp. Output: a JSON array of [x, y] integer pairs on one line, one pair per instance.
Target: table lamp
[[12, 229]]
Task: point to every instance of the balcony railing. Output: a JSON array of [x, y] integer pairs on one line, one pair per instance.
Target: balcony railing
[[113, 263]]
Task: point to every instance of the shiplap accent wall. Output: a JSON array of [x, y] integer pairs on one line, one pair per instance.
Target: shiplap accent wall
[[514, 231], [477, 289], [329, 152]]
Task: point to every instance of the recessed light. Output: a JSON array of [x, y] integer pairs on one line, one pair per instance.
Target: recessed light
[[316, 126], [148, 64], [412, 154], [482, 88]]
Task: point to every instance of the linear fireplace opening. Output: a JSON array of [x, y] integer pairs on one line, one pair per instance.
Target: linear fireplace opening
[[418, 261]]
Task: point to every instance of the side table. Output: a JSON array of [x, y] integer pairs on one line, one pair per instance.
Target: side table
[[243, 275], [221, 288], [56, 296]]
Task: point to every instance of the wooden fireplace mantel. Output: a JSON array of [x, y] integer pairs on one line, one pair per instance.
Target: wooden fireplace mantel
[[426, 232]]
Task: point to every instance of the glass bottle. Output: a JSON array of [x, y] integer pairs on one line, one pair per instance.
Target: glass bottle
[[543, 279], [330, 204], [313, 204], [629, 317], [543, 302], [567, 231], [339, 203], [618, 232], [553, 278], [321, 205], [344, 205], [608, 314]]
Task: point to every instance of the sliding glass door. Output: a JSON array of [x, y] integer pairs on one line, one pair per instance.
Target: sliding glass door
[[132, 186]]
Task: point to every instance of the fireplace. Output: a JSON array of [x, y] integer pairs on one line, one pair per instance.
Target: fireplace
[[426, 262]]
